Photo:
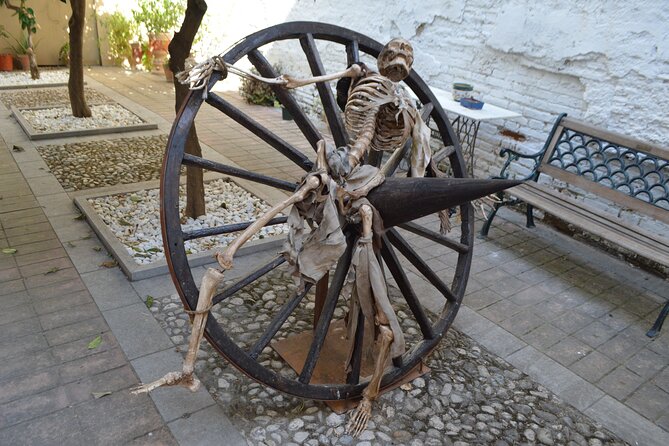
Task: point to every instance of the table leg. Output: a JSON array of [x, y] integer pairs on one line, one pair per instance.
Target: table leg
[[467, 130]]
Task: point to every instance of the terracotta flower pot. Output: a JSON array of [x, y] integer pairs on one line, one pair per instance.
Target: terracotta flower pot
[[6, 62], [24, 61]]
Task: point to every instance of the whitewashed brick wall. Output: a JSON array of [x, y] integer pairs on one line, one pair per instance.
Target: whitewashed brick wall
[[604, 61]]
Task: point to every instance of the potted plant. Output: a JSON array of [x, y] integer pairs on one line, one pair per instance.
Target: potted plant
[[64, 54], [20, 48], [169, 75], [120, 32], [6, 60], [159, 18]]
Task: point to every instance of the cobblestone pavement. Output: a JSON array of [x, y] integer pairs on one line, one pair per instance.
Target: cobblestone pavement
[[470, 397], [42, 97], [98, 163]]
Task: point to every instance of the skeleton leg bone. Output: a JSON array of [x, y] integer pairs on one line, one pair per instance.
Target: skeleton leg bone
[[225, 258], [363, 412], [212, 278]]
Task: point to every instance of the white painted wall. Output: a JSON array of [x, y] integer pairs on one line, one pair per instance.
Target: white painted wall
[[605, 61]]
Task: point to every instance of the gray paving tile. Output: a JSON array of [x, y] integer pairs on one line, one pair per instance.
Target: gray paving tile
[[120, 379], [544, 336], [33, 406], [137, 331], [593, 367], [522, 323], [595, 333], [626, 423], [482, 298], [61, 425], [172, 402], [646, 363], [571, 321], [568, 350], [128, 417], [650, 401], [110, 289], [206, 427], [662, 379], [620, 383], [500, 311], [499, 341]]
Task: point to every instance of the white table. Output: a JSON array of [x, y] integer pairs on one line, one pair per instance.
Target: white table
[[466, 123]]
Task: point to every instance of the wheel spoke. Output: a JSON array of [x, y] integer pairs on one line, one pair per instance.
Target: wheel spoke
[[192, 160], [287, 100], [255, 275], [325, 92], [436, 237], [412, 256], [261, 132], [326, 314], [352, 52], [353, 377], [278, 321], [400, 277], [226, 229]]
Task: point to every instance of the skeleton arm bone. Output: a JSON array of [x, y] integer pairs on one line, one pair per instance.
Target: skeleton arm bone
[[287, 81], [225, 258]]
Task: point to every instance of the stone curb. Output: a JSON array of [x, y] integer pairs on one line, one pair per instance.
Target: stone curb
[[33, 135]]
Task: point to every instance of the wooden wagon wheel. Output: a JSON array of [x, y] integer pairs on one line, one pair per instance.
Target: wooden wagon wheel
[[246, 360]]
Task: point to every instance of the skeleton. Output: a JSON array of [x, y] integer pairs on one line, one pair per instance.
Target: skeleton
[[379, 115]]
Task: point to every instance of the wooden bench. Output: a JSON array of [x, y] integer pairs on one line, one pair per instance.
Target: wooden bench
[[631, 173]]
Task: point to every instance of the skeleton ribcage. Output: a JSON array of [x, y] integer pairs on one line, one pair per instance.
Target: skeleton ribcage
[[372, 114]]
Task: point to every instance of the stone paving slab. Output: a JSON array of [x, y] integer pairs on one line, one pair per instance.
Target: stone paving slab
[[48, 373]]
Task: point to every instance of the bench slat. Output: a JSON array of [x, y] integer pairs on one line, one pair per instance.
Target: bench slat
[[594, 221]]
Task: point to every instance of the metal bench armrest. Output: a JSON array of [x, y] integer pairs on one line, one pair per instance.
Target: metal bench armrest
[[513, 155]]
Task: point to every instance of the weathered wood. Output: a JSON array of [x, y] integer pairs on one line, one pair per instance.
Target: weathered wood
[[261, 132]]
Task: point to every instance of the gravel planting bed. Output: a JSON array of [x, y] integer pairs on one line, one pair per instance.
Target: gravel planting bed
[[470, 397], [134, 218], [89, 164], [44, 97], [60, 119], [22, 78]]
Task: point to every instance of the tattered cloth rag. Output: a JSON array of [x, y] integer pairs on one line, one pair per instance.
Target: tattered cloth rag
[[369, 294]]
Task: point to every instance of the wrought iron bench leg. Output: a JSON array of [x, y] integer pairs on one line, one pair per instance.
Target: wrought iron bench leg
[[488, 222], [657, 326], [529, 215]]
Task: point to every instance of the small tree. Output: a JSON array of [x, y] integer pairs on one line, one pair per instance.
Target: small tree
[[29, 25], [179, 49], [75, 84]]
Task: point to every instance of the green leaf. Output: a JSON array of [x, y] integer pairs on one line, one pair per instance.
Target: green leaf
[[80, 217], [55, 269], [97, 248], [95, 343], [135, 198], [97, 395], [149, 301], [124, 222], [9, 251]]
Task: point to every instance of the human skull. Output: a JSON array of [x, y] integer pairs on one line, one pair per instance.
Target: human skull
[[395, 59]]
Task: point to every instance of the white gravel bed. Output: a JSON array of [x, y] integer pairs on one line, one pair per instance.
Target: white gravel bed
[[20, 78], [134, 218], [60, 119]]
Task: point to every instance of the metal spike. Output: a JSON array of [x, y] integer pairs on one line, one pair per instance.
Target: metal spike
[[400, 200]]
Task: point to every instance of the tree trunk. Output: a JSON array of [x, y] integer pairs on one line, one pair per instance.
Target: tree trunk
[[179, 50], [75, 85], [34, 71]]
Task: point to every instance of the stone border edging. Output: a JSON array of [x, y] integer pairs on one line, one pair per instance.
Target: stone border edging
[[135, 271], [34, 135]]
